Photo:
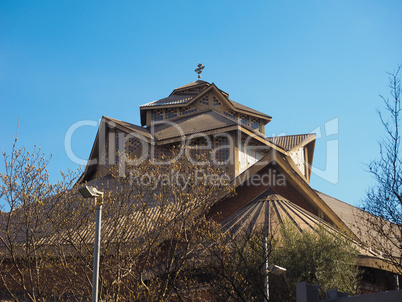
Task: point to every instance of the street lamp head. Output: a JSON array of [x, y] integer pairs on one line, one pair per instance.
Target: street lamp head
[[89, 192], [276, 270]]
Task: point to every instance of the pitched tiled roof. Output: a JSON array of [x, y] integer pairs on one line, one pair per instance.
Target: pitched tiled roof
[[195, 123], [129, 227], [290, 142], [342, 209], [349, 214], [359, 222]]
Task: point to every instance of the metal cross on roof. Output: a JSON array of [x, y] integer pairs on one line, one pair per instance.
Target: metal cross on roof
[[199, 69]]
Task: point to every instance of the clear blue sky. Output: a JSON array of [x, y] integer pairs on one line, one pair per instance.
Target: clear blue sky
[[302, 62]]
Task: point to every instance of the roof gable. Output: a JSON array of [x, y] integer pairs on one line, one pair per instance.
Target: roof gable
[[297, 182], [98, 152], [291, 142]]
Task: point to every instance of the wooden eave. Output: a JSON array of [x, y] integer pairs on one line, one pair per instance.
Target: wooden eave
[[378, 263]]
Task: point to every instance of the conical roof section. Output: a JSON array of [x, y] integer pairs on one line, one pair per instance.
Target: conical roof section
[[269, 210]]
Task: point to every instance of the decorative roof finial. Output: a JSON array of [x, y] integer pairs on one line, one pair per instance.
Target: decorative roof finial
[[199, 69]]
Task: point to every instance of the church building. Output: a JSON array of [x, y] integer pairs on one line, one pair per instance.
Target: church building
[[271, 175]]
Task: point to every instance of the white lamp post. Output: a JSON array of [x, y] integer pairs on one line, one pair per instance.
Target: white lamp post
[[91, 192], [269, 269]]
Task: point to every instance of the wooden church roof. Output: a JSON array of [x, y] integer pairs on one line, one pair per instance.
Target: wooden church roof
[[253, 207]]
